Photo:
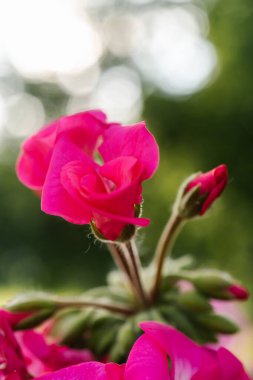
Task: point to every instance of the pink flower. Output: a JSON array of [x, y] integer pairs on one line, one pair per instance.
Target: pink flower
[[12, 365], [27, 353], [60, 161], [41, 357], [161, 353], [211, 185]]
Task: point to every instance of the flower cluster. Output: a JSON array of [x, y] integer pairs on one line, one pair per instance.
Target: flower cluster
[[90, 171]]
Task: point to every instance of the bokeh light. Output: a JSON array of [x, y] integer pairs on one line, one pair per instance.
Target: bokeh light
[[24, 115], [118, 93], [174, 55], [123, 33], [39, 49], [81, 82]]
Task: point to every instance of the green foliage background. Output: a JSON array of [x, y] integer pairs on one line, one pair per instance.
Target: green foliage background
[[194, 133]]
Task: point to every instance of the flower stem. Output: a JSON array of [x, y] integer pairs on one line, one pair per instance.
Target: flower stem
[[66, 302], [135, 267], [121, 258], [165, 243]]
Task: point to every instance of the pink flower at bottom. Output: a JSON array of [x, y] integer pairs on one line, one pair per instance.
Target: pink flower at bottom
[[41, 357], [12, 365], [27, 353], [161, 353]]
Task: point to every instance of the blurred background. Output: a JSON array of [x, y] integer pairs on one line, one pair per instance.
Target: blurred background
[[186, 67]]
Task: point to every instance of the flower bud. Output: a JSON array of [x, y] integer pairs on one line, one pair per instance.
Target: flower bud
[[193, 301], [218, 323], [199, 192], [217, 284], [34, 320], [238, 292], [69, 324], [39, 306], [179, 319], [34, 301], [124, 340]]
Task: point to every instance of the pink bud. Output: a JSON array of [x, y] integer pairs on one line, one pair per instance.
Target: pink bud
[[239, 292], [211, 185]]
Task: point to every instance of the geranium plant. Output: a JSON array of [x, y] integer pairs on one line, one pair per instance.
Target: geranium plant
[[158, 319]]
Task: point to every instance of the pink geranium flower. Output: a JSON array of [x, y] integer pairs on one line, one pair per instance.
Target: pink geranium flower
[[211, 184], [27, 353], [161, 353], [41, 357], [62, 162], [12, 365]]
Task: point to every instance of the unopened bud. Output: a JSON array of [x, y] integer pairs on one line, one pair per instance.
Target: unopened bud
[[238, 292], [199, 192], [217, 284], [35, 319], [124, 340], [69, 324], [190, 203], [193, 302], [34, 301], [218, 323], [180, 320]]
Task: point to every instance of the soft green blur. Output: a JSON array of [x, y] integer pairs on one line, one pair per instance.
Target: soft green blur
[[196, 132]]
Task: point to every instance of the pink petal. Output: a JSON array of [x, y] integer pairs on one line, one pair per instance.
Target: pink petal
[[214, 193], [55, 199], [231, 368], [110, 192], [85, 371], [147, 361], [83, 129], [191, 361], [34, 160], [11, 358], [122, 171], [115, 371], [187, 357], [212, 183], [134, 140], [13, 376], [42, 357]]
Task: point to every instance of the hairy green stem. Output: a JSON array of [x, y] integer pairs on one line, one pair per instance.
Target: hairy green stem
[[121, 258], [135, 266], [164, 245], [117, 308]]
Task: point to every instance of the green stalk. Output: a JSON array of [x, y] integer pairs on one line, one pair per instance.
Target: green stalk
[[164, 245]]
